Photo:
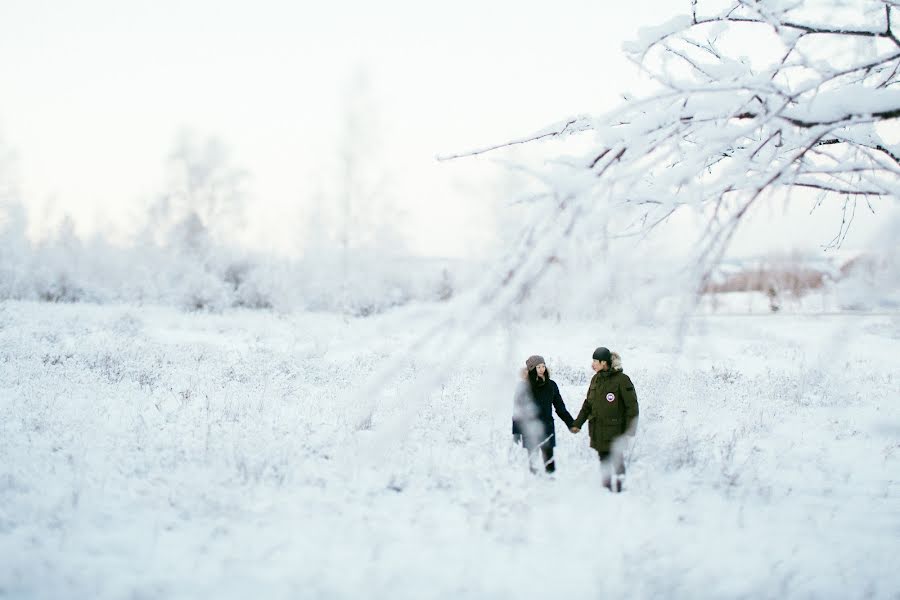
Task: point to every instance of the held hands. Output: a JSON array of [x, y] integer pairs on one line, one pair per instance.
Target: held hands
[[574, 429]]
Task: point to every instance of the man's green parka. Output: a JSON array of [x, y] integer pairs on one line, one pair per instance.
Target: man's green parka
[[611, 407]]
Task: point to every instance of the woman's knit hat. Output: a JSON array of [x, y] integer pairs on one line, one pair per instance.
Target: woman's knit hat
[[534, 361]]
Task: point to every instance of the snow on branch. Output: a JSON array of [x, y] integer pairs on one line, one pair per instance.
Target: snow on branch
[[561, 129], [723, 130]]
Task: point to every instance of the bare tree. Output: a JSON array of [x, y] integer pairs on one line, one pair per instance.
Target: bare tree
[[366, 216], [205, 196], [806, 111], [14, 244]]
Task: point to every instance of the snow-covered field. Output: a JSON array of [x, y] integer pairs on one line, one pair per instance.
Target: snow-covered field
[[151, 453]]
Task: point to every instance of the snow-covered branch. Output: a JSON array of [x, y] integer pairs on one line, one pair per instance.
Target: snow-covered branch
[[563, 128], [724, 130]]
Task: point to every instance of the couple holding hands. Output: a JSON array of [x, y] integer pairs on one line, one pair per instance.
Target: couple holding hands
[[610, 409]]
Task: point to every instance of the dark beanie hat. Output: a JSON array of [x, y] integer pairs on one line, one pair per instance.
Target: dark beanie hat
[[534, 361], [602, 354]]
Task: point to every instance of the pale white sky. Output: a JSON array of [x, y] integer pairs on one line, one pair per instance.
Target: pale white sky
[[95, 92]]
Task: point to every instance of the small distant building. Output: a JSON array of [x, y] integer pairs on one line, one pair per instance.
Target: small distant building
[[788, 278]]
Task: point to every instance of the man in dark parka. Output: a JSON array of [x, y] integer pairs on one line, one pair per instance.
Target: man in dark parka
[[535, 399], [611, 407]]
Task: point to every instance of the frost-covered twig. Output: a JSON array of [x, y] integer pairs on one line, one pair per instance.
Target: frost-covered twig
[[561, 129]]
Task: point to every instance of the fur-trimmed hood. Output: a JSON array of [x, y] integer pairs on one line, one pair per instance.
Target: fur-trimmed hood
[[616, 361]]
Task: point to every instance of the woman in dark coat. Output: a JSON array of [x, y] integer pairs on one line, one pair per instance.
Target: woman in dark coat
[[536, 397]]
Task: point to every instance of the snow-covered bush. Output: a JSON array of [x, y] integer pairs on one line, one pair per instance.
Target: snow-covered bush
[[185, 253], [211, 277]]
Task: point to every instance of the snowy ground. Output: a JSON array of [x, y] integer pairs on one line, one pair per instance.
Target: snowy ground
[[149, 453]]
